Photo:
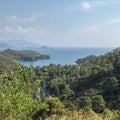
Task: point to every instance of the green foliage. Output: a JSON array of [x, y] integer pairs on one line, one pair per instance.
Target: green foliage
[[92, 76], [85, 101], [6, 64], [54, 106], [98, 104], [69, 105], [51, 106], [59, 88], [92, 84], [20, 97], [26, 55], [16, 91], [111, 87]]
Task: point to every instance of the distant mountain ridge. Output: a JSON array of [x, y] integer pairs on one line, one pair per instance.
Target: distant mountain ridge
[[19, 44], [4, 46]]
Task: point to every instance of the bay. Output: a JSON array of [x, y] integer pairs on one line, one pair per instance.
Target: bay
[[65, 56]]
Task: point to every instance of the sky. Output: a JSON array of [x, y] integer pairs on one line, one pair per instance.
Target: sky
[[61, 23]]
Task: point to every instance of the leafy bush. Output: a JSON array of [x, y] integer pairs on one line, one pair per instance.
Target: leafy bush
[[16, 91], [85, 101], [98, 104]]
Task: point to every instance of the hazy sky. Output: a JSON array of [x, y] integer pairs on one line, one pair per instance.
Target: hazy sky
[[66, 23]]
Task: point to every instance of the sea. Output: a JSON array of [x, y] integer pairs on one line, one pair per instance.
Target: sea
[[65, 56]]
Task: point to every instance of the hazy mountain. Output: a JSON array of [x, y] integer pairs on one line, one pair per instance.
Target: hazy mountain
[[4, 46], [18, 44]]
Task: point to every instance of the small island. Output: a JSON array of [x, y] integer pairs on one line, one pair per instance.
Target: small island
[[24, 55], [44, 47]]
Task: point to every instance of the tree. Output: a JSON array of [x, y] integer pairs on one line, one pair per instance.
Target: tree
[[110, 87], [51, 106], [85, 101], [98, 104], [56, 86]]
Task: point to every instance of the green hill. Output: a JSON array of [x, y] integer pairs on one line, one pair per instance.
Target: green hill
[[9, 56], [85, 91], [25, 55], [90, 77]]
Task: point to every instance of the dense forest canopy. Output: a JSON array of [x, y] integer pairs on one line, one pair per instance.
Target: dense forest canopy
[[92, 85], [9, 57], [25, 55]]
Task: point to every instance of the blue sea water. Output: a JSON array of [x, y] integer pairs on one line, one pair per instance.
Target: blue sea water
[[65, 56]]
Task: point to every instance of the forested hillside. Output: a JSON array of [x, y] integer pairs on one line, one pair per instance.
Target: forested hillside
[[88, 90], [25, 55], [9, 57]]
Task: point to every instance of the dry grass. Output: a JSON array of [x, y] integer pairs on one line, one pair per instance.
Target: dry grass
[[89, 115]]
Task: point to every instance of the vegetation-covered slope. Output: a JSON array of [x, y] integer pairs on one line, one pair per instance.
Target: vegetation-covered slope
[[9, 56], [26, 55], [6, 63], [92, 77], [85, 91]]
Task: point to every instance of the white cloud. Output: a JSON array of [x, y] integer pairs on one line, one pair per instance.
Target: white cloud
[[115, 21], [92, 4], [6, 29], [30, 30], [25, 32], [14, 18], [98, 26], [85, 5], [99, 3]]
